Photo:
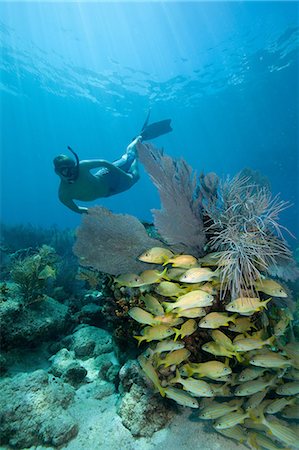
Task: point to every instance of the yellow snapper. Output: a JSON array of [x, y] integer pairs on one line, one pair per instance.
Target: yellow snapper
[[210, 369], [141, 316], [193, 299], [155, 333], [221, 390], [256, 401], [168, 319], [291, 412], [198, 388], [156, 255], [214, 410], [279, 404], [186, 329], [129, 280], [246, 305], [270, 359], [211, 259], [254, 386], [281, 326], [291, 388], [151, 373], [258, 440], [182, 261], [181, 397], [221, 338], [230, 420], [191, 313], [247, 344], [216, 320], [208, 287], [216, 349], [197, 275], [292, 351], [241, 325], [169, 289], [152, 276], [270, 287], [237, 432], [281, 430], [153, 305], [168, 346], [251, 373], [175, 273], [174, 358]]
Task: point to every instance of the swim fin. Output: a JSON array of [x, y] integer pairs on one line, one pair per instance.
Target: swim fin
[[155, 129]]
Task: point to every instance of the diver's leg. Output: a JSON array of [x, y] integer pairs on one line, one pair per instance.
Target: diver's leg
[[126, 161]]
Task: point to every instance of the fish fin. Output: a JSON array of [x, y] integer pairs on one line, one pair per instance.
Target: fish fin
[[139, 339], [168, 307], [177, 333], [266, 302]]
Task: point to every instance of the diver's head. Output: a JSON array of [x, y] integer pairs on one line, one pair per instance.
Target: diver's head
[[66, 168]]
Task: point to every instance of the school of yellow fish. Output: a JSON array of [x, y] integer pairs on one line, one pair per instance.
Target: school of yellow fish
[[246, 382]]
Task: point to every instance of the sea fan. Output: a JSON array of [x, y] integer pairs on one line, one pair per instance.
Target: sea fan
[[245, 228]]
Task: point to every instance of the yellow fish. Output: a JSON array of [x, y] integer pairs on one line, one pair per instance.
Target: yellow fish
[[198, 388], [181, 397], [281, 430], [270, 287], [174, 358], [291, 388], [193, 299], [168, 319], [237, 432], [281, 326], [216, 349], [210, 369], [271, 360], [156, 255], [278, 405], [129, 280], [169, 289], [216, 320], [151, 373], [186, 329], [155, 333], [153, 305], [211, 259], [291, 412], [175, 273], [182, 261], [222, 339], [141, 316], [251, 373], [252, 387], [246, 305], [241, 325], [248, 344], [152, 276], [168, 346], [230, 420], [197, 275], [258, 440], [214, 410], [191, 313]]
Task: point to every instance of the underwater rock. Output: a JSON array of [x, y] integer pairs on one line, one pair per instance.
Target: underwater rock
[[89, 314], [98, 389], [108, 370], [65, 365], [37, 323], [33, 410], [143, 413], [129, 374], [88, 341]]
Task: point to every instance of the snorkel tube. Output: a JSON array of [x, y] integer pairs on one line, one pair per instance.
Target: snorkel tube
[[76, 168]]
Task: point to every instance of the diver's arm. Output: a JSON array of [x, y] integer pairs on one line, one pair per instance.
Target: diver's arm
[[95, 163], [69, 203]]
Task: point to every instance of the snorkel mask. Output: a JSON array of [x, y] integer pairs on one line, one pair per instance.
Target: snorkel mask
[[66, 167]]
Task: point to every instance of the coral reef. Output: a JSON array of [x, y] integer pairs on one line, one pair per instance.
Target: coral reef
[[33, 411]]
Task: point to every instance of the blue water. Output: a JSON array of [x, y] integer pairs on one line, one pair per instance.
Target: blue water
[[85, 75]]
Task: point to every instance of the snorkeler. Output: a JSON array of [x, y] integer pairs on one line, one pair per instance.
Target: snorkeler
[[78, 183]]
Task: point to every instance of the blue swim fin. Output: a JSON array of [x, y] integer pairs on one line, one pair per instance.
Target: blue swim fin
[[155, 129]]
